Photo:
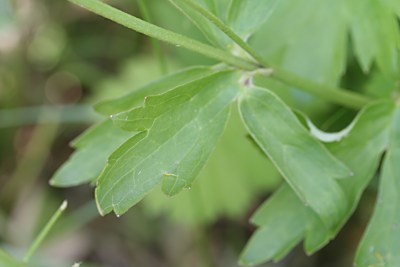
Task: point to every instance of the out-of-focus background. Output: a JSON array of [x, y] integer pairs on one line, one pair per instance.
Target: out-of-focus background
[[56, 60]]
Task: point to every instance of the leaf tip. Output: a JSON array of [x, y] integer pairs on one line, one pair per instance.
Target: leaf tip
[[60, 182], [245, 262], [52, 182], [101, 211], [248, 259], [64, 205], [172, 184]]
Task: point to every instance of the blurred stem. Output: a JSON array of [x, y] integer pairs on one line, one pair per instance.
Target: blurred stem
[[53, 114], [333, 94], [164, 35], [31, 163], [76, 219], [154, 43], [45, 231]]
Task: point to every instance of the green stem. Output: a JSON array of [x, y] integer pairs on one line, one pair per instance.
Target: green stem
[[75, 220], [33, 160], [16, 117], [337, 95], [154, 43], [159, 33], [45, 231], [333, 94], [226, 29]]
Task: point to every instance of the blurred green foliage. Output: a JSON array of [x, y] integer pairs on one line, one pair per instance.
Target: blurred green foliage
[[55, 54]]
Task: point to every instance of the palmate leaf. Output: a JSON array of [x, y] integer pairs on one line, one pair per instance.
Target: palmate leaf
[[236, 174], [361, 151], [96, 144], [369, 136], [305, 37], [305, 164], [179, 130], [381, 242], [375, 33], [296, 36], [246, 170]]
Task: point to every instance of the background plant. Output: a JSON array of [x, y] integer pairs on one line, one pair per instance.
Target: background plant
[[287, 55]]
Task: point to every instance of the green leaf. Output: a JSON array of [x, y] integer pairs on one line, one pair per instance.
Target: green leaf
[[394, 5], [233, 178], [96, 144], [282, 222], [135, 98], [375, 33], [371, 128], [218, 7], [175, 145], [381, 242], [7, 261], [222, 8], [142, 118], [305, 164], [296, 36], [380, 86], [298, 40], [210, 31], [312, 45], [93, 148], [246, 16]]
